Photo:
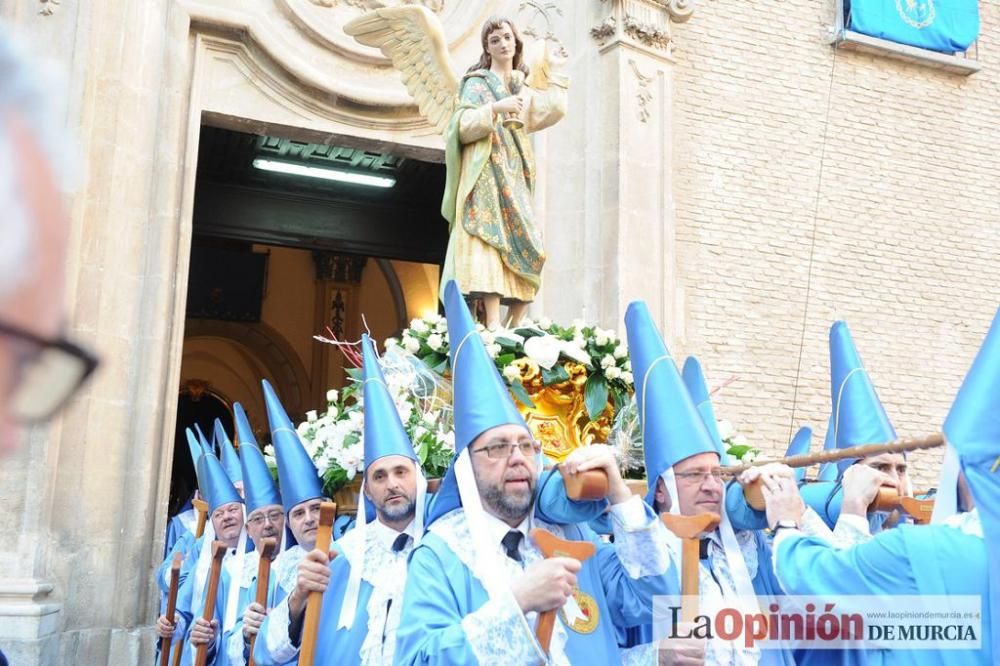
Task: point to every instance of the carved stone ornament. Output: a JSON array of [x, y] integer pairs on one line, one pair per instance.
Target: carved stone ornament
[[642, 22], [369, 5], [644, 95], [48, 7]]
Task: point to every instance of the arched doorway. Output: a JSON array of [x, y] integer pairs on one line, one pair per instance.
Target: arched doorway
[[197, 403]]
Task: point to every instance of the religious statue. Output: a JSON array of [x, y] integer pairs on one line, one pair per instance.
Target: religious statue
[[495, 246]]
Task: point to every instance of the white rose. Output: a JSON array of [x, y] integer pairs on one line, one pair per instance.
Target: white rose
[[432, 317], [620, 351], [442, 326], [411, 345], [575, 352], [512, 372], [487, 337], [543, 350], [435, 341], [725, 429], [311, 415], [391, 342], [304, 429], [545, 322], [493, 350], [627, 377], [628, 365], [608, 361], [419, 325], [448, 439], [740, 440], [749, 457], [600, 339], [332, 395], [614, 372]]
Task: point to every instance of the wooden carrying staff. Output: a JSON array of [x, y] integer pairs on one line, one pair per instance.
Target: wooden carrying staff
[[889, 500], [310, 626], [553, 546], [201, 508], [218, 552], [268, 546], [689, 530], [175, 576]]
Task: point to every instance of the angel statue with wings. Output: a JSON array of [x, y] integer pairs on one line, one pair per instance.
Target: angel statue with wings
[[495, 245]]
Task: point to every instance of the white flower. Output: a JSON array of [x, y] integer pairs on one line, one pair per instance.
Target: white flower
[[448, 439], [357, 419], [480, 328], [442, 326], [411, 345], [608, 361], [487, 337], [311, 415], [391, 342], [627, 377], [332, 395], [600, 339], [545, 322], [578, 341], [493, 350], [740, 440], [749, 457], [511, 371], [432, 317], [725, 429], [435, 341], [543, 350], [304, 429], [614, 372], [575, 351], [419, 325], [628, 365], [621, 351]]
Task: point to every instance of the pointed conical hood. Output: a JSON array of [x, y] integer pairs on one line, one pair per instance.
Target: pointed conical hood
[[828, 471], [672, 428], [972, 428], [244, 433], [258, 485], [480, 398], [196, 453], [800, 444], [218, 487], [208, 448], [858, 415], [694, 379], [384, 433], [297, 474], [230, 460]]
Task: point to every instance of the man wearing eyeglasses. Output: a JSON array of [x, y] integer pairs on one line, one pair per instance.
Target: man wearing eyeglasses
[[478, 583], [39, 369]]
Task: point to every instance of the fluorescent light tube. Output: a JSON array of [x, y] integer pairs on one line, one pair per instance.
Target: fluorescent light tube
[[325, 174]]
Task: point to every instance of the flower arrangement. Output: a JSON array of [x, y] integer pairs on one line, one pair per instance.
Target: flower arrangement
[[736, 444]]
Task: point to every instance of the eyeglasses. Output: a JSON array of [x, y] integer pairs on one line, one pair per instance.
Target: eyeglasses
[[699, 478], [49, 371], [504, 450], [271, 516]]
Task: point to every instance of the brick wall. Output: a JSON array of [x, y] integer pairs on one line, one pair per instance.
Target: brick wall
[[884, 177]]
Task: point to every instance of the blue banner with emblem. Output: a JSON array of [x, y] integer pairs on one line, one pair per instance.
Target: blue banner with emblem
[[948, 26]]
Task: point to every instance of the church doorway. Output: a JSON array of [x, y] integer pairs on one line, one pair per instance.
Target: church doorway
[[293, 239]]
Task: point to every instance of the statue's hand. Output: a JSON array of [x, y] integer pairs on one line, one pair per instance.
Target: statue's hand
[[557, 55]]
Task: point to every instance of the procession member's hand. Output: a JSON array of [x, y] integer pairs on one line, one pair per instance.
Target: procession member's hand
[[599, 456], [203, 631], [509, 104], [770, 470], [253, 617], [682, 651], [861, 484], [783, 500], [546, 584], [314, 576], [165, 628]]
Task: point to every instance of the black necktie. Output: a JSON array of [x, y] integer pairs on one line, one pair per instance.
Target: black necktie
[[703, 549], [400, 543], [510, 542]]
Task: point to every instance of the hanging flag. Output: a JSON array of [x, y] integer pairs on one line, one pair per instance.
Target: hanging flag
[[948, 26]]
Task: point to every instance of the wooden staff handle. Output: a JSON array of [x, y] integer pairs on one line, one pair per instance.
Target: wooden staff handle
[[211, 593], [310, 626], [689, 530], [175, 576], [268, 546], [201, 507], [886, 500], [553, 546], [863, 451], [589, 485]]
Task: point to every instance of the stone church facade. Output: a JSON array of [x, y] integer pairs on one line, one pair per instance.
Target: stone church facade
[[720, 159]]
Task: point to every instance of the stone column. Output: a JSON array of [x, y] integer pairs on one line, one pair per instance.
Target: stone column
[[80, 499], [611, 234]]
